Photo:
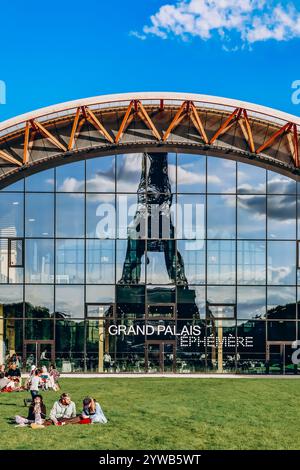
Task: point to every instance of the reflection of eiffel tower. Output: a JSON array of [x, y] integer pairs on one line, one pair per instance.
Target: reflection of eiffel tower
[[154, 191], [153, 215]]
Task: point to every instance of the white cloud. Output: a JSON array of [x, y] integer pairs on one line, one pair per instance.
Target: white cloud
[[235, 22], [138, 35]]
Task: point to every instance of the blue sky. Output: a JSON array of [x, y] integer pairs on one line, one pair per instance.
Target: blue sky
[[64, 50]]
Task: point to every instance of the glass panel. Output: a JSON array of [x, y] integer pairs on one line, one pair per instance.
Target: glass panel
[[131, 302], [99, 294], [100, 259], [69, 345], [160, 295], [100, 175], [279, 184], [219, 312], [39, 261], [3, 261], [221, 262], [131, 217], [281, 303], [281, 262], [251, 217], [221, 175], [100, 347], [39, 215], [130, 261], [18, 186], [99, 311], [43, 181], [69, 302], [221, 295], [251, 179], [13, 339], [160, 311], [161, 173], [129, 172], [39, 301], [11, 215], [70, 178], [191, 302], [16, 252], [251, 262], [281, 330], [162, 266], [39, 329], [11, 301], [282, 217], [161, 210], [191, 173], [100, 216], [221, 218], [191, 261], [69, 261], [190, 217], [251, 303], [70, 215]]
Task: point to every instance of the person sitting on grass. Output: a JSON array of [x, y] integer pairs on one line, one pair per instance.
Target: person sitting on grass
[[4, 381], [14, 374], [64, 411], [93, 411], [36, 414]]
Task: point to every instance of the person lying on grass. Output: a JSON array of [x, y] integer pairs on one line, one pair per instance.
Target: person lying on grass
[[36, 414], [93, 411]]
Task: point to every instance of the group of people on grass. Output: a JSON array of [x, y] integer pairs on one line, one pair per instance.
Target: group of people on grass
[[38, 378], [63, 412]]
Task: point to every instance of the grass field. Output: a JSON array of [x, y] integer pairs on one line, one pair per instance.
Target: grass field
[[162, 413]]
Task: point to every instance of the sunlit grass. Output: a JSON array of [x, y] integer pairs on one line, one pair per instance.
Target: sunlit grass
[[162, 413]]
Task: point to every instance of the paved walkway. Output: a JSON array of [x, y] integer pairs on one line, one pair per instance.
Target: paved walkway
[[177, 376]]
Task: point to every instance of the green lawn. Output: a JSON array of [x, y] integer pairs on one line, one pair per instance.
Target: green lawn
[[162, 413]]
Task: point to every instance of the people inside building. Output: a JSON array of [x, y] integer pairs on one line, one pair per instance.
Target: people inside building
[[107, 361], [93, 411], [64, 411], [36, 414]]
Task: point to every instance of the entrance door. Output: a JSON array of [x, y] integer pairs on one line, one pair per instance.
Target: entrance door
[[160, 356], [38, 353], [279, 358], [217, 315]]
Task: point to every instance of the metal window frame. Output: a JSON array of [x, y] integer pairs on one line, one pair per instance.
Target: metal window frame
[[10, 241], [98, 304]]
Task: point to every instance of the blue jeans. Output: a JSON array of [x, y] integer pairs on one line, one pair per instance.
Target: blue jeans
[[34, 393]]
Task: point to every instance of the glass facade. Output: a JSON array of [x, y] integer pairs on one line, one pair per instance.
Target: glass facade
[[151, 261]]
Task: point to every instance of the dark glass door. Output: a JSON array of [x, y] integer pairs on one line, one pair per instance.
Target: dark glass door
[[38, 353], [279, 358], [160, 356]]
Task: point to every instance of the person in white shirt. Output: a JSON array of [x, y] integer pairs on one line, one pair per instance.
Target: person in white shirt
[[35, 382], [64, 411]]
